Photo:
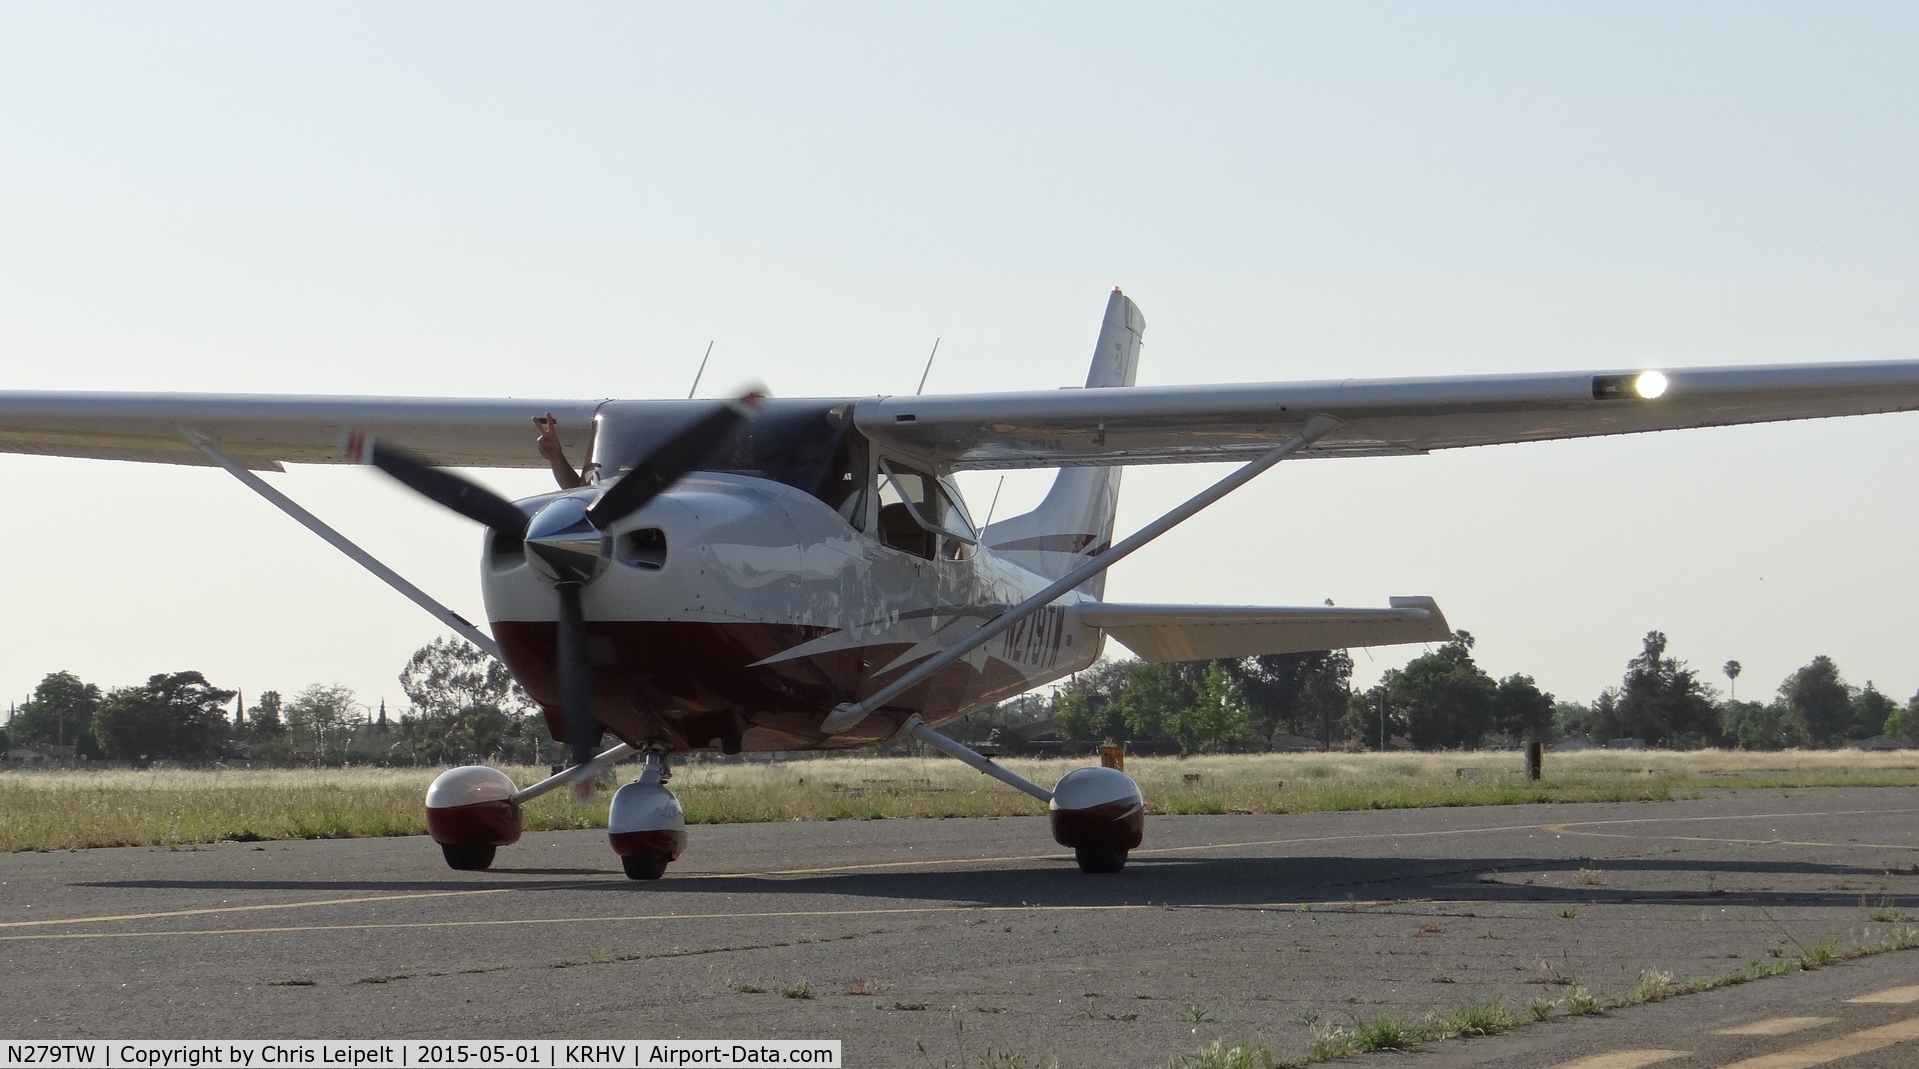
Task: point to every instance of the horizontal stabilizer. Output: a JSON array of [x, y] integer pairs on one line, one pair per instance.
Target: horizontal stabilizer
[[1161, 633]]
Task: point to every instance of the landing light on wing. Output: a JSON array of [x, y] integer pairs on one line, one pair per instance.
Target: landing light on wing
[[1644, 386]]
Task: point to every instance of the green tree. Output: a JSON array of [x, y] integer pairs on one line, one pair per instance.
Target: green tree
[[1661, 701], [1571, 718], [60, 712], [1216, 719], [175, 716], [1011, 722], [448, 675], [1364, 710], [1448, 699], [320, 720], [1904, 722], [1820, 698], [263, 720], [467, 705], [1522, 711], [1150, 702], [1299, 693], [1870, 711], [1759, 726], [1073, 717], [1086, 709], [266, 729]]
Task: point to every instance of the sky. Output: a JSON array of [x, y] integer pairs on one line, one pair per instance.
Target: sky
[[573, 200]]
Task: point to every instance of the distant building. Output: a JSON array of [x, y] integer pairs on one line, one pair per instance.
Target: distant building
[[1297, 744], [1572, 743], [41, 755], [1625, 744], [1881, 742]]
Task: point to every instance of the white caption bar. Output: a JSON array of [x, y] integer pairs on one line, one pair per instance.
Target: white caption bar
[[413, 1054]]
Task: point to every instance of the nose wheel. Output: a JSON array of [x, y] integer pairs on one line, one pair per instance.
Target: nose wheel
[[1099, 860], [646, 825], [644, 868]]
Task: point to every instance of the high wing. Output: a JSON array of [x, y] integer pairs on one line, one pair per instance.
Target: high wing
[[1379, 417], [264, 431], [1029, 429], [1162, 633]]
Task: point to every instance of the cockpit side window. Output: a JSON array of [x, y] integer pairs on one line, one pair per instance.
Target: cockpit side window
[[955, 517], [918, 514]]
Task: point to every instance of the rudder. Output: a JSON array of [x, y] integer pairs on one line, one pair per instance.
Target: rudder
[[1076, 517]]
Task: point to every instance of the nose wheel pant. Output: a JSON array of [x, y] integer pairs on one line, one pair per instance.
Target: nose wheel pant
[[646, 826]]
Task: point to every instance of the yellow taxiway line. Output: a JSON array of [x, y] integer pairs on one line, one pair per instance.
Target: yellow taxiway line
[[1623, 1059], [1892, 996], [507, 921], [1775, 1026], [1831, 1050], [800, 914], [1567, 829], [249, 909]]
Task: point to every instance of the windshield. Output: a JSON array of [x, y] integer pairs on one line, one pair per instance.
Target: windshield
[[810, 447]]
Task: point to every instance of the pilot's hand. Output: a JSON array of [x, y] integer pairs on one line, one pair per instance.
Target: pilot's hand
[[549, 438]]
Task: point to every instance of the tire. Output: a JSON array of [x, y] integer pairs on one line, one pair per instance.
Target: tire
[[1100, 860], [468, 858], [644, 868]]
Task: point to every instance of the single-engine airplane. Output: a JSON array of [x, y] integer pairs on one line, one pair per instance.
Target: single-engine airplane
[[802, 574]]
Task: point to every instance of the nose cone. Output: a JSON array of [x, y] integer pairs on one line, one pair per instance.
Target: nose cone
[[563, 545]]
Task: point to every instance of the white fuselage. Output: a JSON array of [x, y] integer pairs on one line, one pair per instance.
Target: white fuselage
[[737, 612]]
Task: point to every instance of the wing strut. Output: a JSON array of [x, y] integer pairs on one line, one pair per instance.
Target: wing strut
[[569, 775], [848, 714], [975, 760], [340, 542]]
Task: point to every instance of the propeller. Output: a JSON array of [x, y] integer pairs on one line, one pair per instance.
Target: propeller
[[566, 539]]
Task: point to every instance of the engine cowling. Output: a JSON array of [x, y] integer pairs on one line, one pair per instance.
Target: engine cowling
[[472, 806], [1101, 814]]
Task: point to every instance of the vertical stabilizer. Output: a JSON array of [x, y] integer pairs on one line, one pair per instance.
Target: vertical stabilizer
[[1076, 518]]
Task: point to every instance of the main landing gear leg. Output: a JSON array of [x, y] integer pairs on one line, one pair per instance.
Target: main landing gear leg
[[645, 824], [1098, 812]]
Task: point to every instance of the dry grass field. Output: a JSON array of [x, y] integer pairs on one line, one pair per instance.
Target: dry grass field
[[71, 810]]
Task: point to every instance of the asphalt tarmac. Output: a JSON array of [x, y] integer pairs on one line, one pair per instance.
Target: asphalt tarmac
[[908, 939]]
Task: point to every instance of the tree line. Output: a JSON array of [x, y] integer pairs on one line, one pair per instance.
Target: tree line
[[1444, 700], [463, 707]]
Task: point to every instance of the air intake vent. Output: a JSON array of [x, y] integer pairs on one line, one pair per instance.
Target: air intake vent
[[644, 548], [505, 550]]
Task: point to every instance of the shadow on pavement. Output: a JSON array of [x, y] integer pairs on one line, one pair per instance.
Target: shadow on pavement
[[1175, 881]]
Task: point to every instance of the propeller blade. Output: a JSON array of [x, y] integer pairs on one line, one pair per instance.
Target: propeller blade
[[576, 678], [469, 499], [686, 451]]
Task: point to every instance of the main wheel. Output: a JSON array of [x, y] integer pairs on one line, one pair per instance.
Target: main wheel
[[468, 858], [644, 868], [1100, 859]]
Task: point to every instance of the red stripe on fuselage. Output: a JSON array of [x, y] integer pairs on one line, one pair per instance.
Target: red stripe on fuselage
[[689, 684]]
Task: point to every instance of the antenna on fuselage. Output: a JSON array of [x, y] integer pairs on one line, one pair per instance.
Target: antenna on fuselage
[[991, 507], [929, 367], [697, 375]]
